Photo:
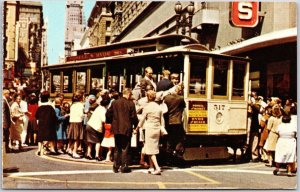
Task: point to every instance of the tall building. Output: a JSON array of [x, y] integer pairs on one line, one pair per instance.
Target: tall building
[[129, 14], [99, 23], [23, 39], [75, 25], [10, 42]]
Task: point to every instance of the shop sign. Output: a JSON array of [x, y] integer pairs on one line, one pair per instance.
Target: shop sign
[[244, 14], [197, 116]]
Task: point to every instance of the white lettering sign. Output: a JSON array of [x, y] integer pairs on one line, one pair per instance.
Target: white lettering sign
[[245, 10]]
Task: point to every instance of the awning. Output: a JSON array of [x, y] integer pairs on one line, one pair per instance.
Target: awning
[[266, 40]]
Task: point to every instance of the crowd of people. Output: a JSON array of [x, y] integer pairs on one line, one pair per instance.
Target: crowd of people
[[98, 124], [273, 132], [103, 123]]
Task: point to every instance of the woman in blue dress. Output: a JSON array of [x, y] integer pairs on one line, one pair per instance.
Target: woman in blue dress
[[60, 131]]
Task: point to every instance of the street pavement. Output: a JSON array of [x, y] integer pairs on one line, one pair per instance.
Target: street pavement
[[26, 170]]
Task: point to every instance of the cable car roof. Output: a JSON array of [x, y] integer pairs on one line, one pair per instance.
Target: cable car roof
[[141, 41], [192, 49]]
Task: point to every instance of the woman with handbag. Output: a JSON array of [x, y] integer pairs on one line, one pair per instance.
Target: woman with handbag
[[152, 120]]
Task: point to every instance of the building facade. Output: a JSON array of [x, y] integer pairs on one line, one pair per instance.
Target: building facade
[[23, 39], [10, 42], [99, 23], [250, 29], [75, 25], [213, 26]]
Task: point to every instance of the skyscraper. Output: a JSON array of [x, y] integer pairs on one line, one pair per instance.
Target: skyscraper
[[74, 25]]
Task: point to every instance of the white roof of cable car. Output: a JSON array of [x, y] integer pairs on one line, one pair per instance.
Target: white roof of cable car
[[273, 38], [195, 48]]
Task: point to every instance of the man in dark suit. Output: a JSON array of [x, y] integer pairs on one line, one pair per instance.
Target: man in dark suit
[[6, 119], [122, 116], [176, 104], [165, 83]]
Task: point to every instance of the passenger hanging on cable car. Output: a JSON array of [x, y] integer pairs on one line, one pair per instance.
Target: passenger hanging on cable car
[[149, 77]]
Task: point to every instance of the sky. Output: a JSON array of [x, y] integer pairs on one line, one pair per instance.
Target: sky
[[54, 11]]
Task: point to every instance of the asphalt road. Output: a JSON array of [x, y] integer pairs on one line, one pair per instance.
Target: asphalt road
[[26, 170]]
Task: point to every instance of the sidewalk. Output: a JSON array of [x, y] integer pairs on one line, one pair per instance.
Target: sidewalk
[[67, 157]]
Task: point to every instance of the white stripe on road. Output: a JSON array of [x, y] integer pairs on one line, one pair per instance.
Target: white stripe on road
[[74, 172], [233, 171]]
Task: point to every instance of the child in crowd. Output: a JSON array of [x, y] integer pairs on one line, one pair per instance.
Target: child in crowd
[[65, 110], [61, 134], [32, 124], [108, 142]]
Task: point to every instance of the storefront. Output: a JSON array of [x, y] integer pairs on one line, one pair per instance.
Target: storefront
[[273, 71]]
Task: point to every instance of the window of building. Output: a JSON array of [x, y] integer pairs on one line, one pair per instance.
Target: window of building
[[108, 26], [107, 39]]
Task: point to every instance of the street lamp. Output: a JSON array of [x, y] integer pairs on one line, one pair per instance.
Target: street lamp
[[181, 20], [190, 10], [178, 9]]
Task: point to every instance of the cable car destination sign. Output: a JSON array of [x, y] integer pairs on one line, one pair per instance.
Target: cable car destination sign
[[100, 54]]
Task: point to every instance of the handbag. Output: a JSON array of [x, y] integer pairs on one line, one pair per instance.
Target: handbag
[[133, 141], [163, 130]]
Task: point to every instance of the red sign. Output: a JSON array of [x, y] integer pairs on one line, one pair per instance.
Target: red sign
[[244, 14], [102, 54]]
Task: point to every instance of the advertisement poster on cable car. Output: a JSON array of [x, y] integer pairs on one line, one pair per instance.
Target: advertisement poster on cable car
[[197, 116]]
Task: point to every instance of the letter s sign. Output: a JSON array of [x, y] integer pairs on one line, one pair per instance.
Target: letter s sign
[[244, 14]]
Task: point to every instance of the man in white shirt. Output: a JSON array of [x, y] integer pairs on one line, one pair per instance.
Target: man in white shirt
[[149, 78]]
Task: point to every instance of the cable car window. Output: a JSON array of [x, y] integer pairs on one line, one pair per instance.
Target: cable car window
[[67, 82], [239, 72], [198, 76], [220, 77], [81, 81], [112, 83], [55, 84], [96, 78]]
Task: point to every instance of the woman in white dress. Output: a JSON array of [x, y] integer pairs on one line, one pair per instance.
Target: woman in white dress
[[272, 127], [17, 118], [286, 144]]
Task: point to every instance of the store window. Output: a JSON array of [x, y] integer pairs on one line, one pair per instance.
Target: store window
[[278, 79], [220, 79]]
